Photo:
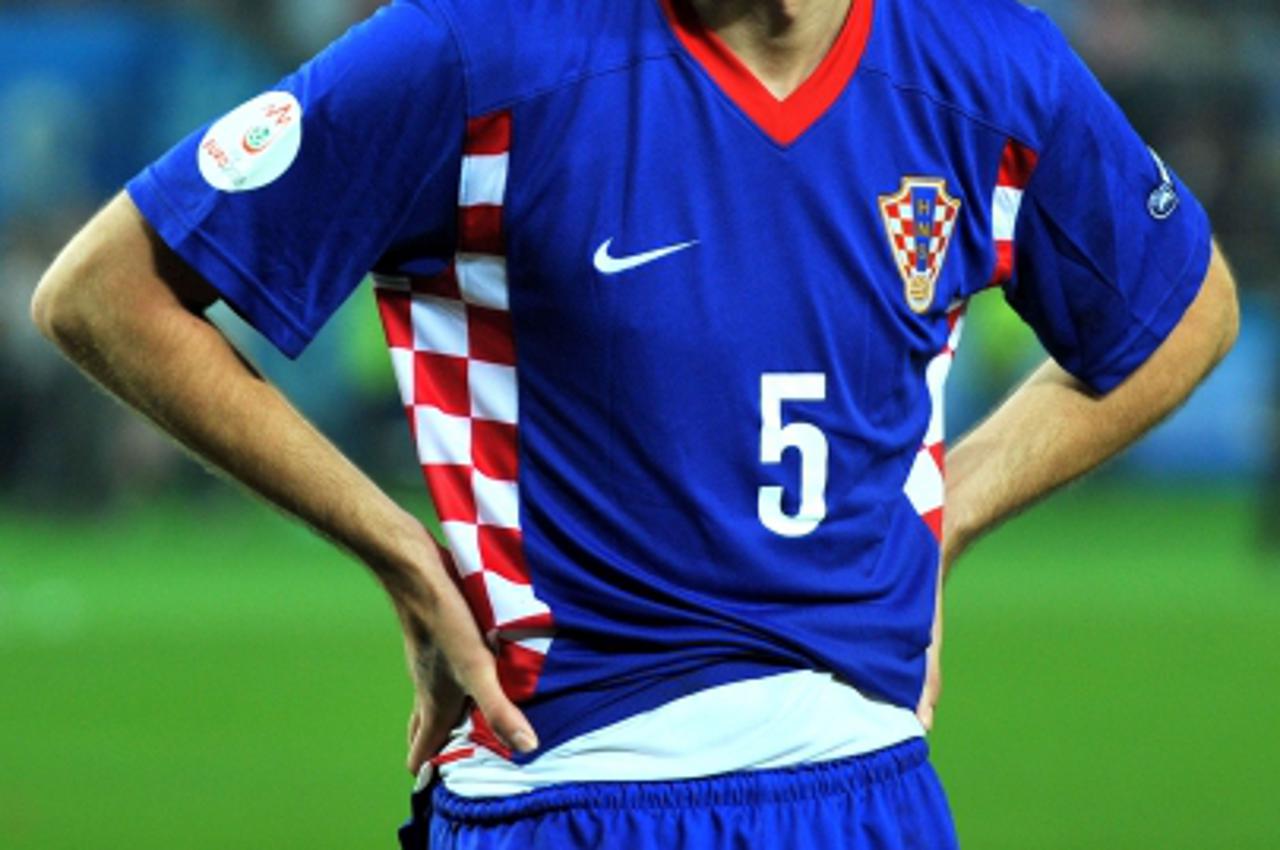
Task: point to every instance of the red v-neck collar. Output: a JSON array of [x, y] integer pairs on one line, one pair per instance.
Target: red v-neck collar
[[784, 121]]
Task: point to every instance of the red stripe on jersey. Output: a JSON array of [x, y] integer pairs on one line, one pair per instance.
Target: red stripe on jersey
[[396, 309], [518, 670], [1004, 264], [488, 135], [482, 734], [491, 336], [440, 381], [933, 519], [939, 452], [443, 285], [502, 551], [782, 120], [453, 755], [538, 624], [480, 230], [1017, 164], [451, 492], [493, 449], [477, 595]]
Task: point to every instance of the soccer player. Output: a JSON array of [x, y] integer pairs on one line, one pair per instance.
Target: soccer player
[[671, 288]]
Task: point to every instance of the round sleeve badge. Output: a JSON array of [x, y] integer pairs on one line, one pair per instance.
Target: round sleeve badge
[[254, 145]]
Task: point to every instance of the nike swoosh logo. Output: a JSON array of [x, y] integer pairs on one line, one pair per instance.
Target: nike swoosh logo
[[607, 264]]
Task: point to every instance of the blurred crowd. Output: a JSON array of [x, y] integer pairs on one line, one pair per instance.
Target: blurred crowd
[[92, 91]]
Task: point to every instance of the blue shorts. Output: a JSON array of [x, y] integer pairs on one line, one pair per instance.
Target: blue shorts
[[887, 800]]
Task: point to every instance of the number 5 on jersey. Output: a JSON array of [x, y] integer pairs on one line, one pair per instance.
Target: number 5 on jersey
[[775, 438]]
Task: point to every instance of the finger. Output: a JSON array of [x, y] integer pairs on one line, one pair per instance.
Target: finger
[[475, 670], [420, 751], [415, 723], [927, 707], [478, 674], [924, 712]]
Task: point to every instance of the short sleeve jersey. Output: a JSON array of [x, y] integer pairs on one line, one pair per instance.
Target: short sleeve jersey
[[673, 350]]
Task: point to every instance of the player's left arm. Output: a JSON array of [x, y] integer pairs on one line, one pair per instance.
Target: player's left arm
[[1054, 428]]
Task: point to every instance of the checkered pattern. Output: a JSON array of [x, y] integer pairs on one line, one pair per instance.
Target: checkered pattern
[[925, 483], [1017, 164], [453, 349], [900, 222]]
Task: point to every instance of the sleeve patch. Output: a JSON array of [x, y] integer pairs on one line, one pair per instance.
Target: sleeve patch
[[254, 145]]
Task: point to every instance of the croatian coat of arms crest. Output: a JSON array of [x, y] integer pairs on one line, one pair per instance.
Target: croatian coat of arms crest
[[920, 220]]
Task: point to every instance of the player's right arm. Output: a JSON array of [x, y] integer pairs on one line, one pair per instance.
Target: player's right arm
[[129, 313], [280, 209]]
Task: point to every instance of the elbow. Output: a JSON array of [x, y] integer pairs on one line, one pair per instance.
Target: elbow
[[79, 293], [1228, 301], [50, 311], [1230, 325], [48, 307], [57, 309]]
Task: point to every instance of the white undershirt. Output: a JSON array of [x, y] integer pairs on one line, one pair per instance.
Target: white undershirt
[[801, 717]]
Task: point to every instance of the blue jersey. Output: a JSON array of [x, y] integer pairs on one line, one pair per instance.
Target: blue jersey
[[673, 350]]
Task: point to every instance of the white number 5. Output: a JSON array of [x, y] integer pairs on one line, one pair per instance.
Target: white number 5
[[776, 438]]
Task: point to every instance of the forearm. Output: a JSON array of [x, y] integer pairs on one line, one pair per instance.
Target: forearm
[[149, 349], [1053, 429]]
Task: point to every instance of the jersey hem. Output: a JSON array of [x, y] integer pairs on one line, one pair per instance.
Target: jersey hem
[[630, 704]]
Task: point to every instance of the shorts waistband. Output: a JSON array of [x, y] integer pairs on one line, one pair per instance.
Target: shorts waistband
[[751, 788]]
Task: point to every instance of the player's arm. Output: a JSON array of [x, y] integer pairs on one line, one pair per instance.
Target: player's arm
[[128, 312], [1053, 428], [1114, 267]]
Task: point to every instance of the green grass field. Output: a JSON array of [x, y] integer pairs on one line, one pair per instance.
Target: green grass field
[[205, 675]]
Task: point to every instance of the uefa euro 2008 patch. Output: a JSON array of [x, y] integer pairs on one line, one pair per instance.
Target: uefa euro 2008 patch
[[253, 145]]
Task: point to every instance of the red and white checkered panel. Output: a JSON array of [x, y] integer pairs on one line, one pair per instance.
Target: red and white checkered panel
[[453, 349], [1017, 164], [925, 483]]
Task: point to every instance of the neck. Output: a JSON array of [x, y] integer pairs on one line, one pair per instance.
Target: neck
[[781, 41]]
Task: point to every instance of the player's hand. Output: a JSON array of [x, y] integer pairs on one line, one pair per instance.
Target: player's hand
[[933, 671], [450, 662], [439, 706], [953, 544]]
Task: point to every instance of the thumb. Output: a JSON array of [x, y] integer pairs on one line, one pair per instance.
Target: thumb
[[924, 711], [421, 748], [477, 672], [504, 718]]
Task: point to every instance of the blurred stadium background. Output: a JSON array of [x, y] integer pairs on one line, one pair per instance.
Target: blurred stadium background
[[179, 667]]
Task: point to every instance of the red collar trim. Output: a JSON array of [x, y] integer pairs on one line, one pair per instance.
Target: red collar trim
[[784, 121]]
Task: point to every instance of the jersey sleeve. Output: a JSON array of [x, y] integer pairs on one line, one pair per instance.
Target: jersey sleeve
[[1110, 246], [287, 202]]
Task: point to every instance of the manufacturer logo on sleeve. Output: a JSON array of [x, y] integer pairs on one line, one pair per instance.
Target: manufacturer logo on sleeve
[[920, 220], [254, 145], [1163, 201]]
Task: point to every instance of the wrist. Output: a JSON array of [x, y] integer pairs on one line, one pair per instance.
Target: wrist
[[406, 560]]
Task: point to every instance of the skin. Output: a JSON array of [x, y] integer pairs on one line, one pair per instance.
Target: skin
[[781, 41], [129, 313], [1053, 429]]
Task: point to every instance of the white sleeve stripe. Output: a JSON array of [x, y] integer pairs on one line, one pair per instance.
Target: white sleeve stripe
[[1004, 212], [484, 180]]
